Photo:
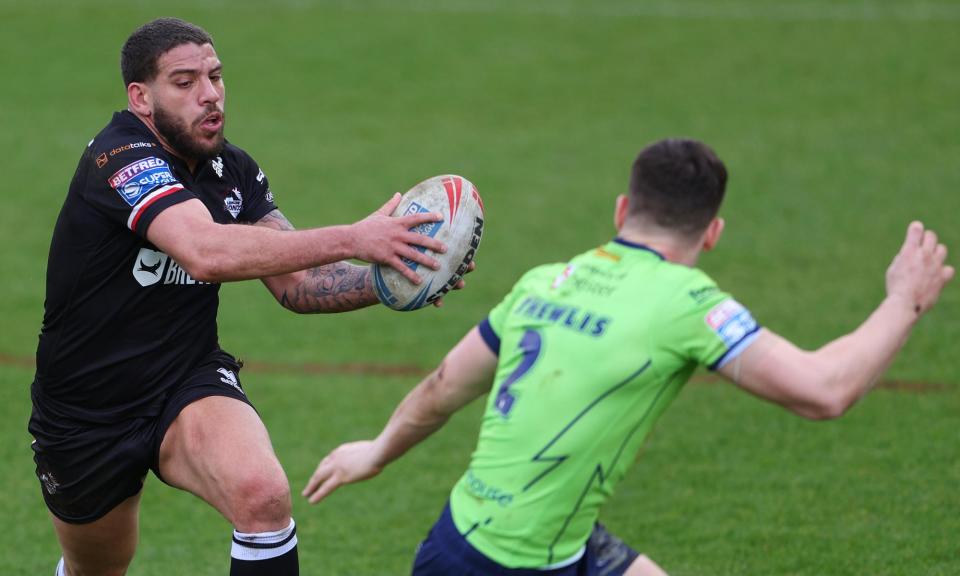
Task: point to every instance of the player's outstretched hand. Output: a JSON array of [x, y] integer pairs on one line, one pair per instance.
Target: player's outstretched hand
[[351, 462], [918, 273], [382, 239]]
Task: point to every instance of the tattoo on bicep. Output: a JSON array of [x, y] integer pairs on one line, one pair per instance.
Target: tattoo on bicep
[[336, 287]]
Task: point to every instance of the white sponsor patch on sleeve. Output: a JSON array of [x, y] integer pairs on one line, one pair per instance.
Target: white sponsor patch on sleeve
[[137, 179], [730, 321]]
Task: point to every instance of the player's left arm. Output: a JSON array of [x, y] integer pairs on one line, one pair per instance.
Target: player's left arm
[[465, 374], [826, 382], [336, 287]]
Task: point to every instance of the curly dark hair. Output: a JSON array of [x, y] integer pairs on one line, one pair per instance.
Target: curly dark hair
[[138, 58]]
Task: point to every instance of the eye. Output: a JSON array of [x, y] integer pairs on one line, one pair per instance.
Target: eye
[[216, 77], [184, 83]]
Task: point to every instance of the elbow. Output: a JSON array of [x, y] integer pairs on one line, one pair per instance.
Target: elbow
[[203, 267], [825, 411], [826, 406]]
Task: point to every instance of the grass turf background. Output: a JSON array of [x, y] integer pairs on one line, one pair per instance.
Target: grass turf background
[[838, 123]]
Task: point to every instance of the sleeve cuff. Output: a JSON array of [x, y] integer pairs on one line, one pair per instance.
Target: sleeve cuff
[[489, 336], [736, 349]]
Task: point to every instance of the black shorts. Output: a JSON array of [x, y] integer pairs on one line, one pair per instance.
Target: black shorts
[[446, 551], [87, 470]]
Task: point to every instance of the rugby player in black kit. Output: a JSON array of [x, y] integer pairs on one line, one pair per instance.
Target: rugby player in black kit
[[130, 377]]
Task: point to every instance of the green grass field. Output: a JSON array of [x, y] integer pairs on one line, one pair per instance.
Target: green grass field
[[839, 123]]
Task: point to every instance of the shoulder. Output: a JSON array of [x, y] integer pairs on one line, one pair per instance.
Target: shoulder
[[682, 291], [125, 136], [544, 274], [233, 154]]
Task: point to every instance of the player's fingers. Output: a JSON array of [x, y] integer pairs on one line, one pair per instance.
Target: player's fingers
[[425, 241], [400, 266], [325, 489], [412, 220], [322, 472], [914, 235], [460, 284], [948, 272], [438, 303], [929, 241], [391, 205], [418, 257], [940, 254]]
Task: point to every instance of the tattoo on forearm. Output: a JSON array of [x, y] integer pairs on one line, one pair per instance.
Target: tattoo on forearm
[[336, 287]]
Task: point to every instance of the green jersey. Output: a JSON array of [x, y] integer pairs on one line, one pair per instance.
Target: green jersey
[[591, 352]]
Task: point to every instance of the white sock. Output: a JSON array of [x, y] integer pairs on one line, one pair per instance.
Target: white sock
[[61, 569], [264, 545]]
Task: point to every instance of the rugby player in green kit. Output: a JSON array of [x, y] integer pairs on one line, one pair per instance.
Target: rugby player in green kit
[[582, 358]]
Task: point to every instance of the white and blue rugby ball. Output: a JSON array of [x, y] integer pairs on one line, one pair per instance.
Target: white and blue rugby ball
[[461, 230]]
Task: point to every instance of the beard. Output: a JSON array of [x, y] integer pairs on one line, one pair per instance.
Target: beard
[[180, 137]]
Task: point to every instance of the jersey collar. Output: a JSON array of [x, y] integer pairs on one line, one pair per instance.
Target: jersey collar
[[637, 246]]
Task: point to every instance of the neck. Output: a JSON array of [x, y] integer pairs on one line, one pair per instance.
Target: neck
[[676, 251]]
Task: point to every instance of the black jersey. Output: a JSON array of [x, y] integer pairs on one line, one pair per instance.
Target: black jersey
[[123, 321]]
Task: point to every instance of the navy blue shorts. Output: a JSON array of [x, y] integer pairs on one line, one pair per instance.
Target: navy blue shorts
[[446, 552], [87, 470]]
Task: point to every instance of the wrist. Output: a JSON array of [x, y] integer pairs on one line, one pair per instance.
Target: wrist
[[341, 242], [903, 305]]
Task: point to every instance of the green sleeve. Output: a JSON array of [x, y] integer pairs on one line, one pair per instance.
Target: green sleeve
[[707, 326]]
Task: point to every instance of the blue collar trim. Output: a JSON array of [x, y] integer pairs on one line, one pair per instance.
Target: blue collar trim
[[629, 244]]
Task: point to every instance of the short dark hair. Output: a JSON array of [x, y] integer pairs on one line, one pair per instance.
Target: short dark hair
[[678, 185], [138, 58]]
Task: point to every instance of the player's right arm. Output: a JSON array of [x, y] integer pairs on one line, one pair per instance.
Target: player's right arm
[[214, 252], [825, 382], [465, 374]]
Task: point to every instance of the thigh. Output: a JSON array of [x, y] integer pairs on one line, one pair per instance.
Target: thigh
[[218, 449], [103, 547]]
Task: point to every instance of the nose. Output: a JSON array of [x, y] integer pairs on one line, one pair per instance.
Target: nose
[[209, 92]]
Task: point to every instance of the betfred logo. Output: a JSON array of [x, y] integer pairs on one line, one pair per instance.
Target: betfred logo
[[136, 179], [730, 321]]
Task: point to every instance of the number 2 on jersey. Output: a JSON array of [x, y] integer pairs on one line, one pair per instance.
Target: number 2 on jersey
[[530, 346]]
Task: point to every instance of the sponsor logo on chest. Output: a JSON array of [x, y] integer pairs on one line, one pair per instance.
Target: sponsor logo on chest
[[217, 164], [154, 267], [234, 202]]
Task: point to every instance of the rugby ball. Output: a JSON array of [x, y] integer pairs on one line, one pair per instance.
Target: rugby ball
[[461, 229]]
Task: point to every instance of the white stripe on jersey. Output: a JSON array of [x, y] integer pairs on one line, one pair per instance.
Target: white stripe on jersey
[[148, 199]]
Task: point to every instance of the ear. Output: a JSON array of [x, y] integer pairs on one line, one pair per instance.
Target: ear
[[139, 99], [620, 212], [712, 235]]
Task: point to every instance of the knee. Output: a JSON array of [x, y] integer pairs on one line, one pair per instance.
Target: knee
[[261, 502]]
